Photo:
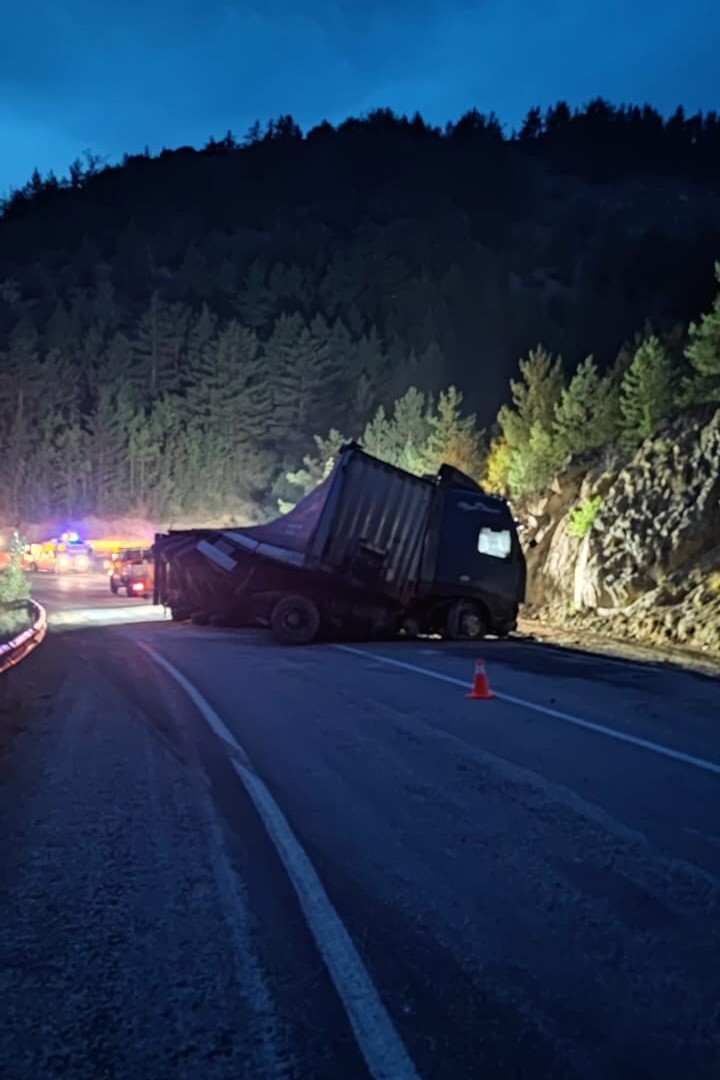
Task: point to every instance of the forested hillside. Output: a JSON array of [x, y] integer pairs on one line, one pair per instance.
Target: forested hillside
[[176, 330]]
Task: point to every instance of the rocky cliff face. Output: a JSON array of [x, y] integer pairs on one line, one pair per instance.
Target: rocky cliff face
[[648, 566]]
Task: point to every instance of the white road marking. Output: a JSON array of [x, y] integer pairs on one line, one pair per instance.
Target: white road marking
[[568, 718], [381, 1046]]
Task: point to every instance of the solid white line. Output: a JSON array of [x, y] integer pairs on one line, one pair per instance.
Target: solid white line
[[568, 718], [381, 1046]]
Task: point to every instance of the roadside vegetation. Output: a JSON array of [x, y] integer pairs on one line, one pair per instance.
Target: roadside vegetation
[[14, 587], [551, 419]]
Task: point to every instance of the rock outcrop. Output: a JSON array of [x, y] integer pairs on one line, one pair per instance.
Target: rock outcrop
[[648, 566]]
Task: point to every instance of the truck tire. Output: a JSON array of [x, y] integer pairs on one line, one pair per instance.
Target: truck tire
[[466, 621], [295, 620]]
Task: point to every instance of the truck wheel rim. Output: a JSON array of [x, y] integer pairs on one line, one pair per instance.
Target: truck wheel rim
[[296, 619]]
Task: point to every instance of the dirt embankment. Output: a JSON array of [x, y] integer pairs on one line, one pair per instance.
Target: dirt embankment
[[646, 567]]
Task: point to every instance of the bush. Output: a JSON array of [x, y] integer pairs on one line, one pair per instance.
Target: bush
[[14, 586], [582, 517], [13, 622]]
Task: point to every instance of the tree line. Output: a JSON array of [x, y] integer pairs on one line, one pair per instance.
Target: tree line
[[175, 329], [551, 419], [193, 416], [189, 415], [466, 241], [599, 139]]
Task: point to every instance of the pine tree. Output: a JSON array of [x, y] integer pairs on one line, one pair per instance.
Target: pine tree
[[256, 303], [307, 380], [534, 396], [316, 467], [239, 412], [533, 465], [527, 426], [166, 464], [647, 392], [583, 419], [201, 332], [61, 380], [70, 467], [21, 394], [378, 437], [532, 127], [401, 439], [159, 345], [108, 436], [370, 363], [454, 438], [63, 329], [120, 366], [703, 352]]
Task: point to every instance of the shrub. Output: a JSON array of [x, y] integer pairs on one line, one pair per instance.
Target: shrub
[[582, 517]]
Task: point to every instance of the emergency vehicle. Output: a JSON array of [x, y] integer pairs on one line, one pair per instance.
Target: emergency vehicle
[[66, 555]]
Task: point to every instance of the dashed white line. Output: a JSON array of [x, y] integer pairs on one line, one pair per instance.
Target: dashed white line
[[568, 718], [380, 1044]]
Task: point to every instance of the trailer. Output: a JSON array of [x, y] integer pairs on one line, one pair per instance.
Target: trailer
[[371, 552]]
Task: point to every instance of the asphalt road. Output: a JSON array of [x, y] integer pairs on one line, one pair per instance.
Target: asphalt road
[[222, 858]]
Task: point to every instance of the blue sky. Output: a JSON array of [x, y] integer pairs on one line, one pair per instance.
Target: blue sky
[[80, 75]]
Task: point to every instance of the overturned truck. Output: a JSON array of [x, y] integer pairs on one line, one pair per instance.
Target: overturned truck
[[370, 552]]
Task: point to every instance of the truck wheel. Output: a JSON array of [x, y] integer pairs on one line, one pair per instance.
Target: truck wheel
[[295, 620], [465, 622]]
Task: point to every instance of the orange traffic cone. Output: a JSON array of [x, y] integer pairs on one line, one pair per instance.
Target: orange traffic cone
[[481, 688]]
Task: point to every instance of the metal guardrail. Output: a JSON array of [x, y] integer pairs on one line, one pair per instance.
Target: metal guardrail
[[15, 650]]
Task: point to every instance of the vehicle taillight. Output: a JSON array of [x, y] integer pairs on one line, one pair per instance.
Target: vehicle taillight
[[138, 586]]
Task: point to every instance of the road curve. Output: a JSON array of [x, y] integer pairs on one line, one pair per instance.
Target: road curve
[[224, 858]]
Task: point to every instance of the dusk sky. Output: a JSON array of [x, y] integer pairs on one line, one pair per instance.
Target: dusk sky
[[83, 75]]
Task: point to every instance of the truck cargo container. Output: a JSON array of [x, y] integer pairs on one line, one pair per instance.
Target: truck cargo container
[[371, 551]]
